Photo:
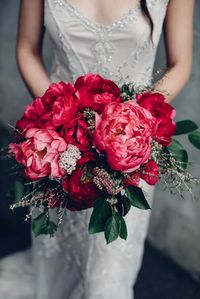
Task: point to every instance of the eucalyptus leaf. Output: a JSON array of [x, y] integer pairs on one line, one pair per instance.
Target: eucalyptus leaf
[[194, 138], [101, 212], [185, 127], [137, 198], [111, 229]]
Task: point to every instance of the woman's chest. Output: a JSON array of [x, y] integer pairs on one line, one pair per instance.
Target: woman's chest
[[104, 11], [123, 46]]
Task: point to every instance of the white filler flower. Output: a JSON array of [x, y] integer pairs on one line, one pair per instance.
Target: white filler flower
[[69, 158]]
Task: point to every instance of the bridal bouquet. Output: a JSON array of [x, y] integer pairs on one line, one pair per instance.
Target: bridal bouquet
[[89, 145]]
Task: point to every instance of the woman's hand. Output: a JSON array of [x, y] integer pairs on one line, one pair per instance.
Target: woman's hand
[[179, 45], [29, 42]]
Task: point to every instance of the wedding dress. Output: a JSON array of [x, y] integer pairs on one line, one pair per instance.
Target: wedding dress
[[74, 264]]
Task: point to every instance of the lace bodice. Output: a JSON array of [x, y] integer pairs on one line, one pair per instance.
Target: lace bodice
[[121, 51], [74, 264]]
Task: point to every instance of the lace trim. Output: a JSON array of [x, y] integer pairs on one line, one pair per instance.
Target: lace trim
[[97, 27], [119, 74]]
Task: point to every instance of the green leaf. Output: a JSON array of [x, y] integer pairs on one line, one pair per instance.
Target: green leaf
[[178, 152], [194, 138], [125, 88], [175, 146], [18, 190], [182, 156], [123, 206], [111, 229], [122, 226], [185, 127], [137, 198], [43, 226], [101, 212], [50, 229], [39, 224]]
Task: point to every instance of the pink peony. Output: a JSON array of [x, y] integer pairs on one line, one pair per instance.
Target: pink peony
[[40, 153], [124, 132]]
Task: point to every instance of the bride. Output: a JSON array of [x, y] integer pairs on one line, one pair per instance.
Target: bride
[[117, 39]]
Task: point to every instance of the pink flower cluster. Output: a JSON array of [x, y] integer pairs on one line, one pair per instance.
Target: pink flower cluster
[[121, 133]]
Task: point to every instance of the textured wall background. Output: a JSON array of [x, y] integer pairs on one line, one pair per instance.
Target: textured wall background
[[174, 227]]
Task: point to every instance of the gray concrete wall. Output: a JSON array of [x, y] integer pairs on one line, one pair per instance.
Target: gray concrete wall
[[174, 226], [175, 223], [13, 93]]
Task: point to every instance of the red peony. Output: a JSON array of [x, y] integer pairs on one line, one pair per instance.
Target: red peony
[[87, 157], [81, 189], [96, 92], [40, 153], [76, 132], [132, 180], [162, 112], [124, 132], [150, 172], [56, 107]]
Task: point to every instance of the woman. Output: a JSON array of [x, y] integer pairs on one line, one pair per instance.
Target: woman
[[117, 39]]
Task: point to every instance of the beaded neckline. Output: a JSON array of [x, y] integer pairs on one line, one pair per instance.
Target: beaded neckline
[[98, 26]]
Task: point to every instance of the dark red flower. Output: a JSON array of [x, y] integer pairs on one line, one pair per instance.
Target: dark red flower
[[87, 157], [164, 114], [81, 189], [56, 107], [133, 179], [96, 92], [150, 172], [76, 132]]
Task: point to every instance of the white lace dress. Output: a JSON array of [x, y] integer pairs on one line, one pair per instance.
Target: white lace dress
[[74, 264]]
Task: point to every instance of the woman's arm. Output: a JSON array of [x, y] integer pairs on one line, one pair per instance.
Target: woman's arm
[[179, 45], [29, 41]]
